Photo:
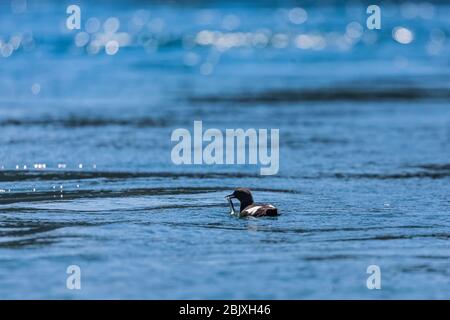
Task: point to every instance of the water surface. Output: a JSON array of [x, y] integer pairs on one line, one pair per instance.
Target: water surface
[[364, 153]]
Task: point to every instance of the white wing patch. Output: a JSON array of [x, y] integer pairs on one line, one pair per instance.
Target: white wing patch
[[253, 210]]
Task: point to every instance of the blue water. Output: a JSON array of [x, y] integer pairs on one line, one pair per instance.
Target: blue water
[[364, 151]]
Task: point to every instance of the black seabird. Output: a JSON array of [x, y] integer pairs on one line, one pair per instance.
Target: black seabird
[[248, 207]]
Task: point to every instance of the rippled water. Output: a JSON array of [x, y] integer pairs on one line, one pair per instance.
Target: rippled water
[[364, 154]]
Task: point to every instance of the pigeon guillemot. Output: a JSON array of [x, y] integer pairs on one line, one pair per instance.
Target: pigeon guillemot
[[248, 207]]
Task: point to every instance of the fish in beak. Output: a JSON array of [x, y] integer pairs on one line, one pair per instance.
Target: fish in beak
[[230, 203]]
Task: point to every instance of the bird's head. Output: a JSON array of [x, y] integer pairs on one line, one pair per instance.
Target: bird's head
[[243, 195]]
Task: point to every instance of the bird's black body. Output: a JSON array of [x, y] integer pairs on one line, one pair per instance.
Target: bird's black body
[[249, 208]]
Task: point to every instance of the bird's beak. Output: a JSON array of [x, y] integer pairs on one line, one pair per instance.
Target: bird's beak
[[230, 196]]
